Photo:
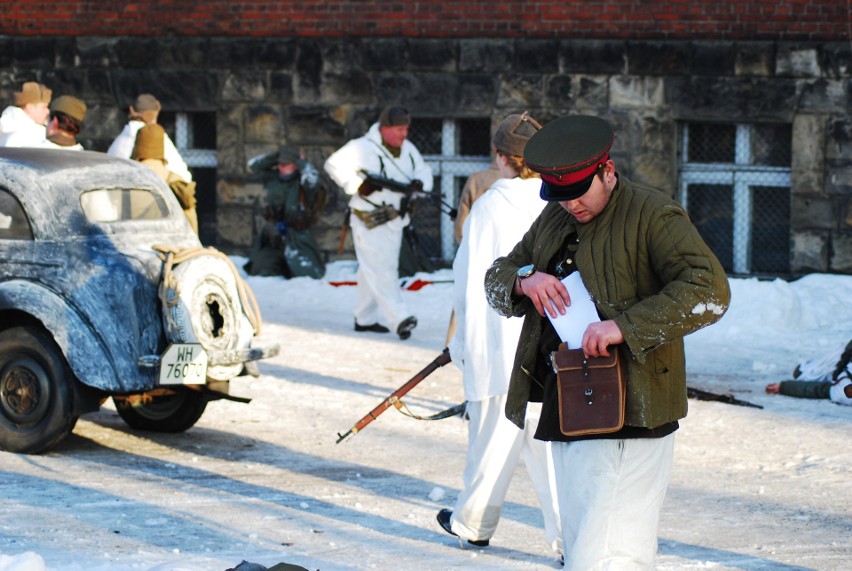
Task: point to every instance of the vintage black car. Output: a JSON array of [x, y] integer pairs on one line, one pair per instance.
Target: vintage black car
[[105, 291]]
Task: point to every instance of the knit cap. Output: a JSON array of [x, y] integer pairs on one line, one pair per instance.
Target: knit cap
[[393, 116]]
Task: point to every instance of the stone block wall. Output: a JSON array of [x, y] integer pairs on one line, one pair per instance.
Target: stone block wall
[[318, 92]]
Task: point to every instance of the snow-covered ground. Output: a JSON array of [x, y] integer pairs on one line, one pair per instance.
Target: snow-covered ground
[[265, 482]]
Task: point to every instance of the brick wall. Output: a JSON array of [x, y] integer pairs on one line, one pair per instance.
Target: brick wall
[[628, 19]]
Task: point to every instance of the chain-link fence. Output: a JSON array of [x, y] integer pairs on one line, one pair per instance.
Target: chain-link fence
[[735, 184]]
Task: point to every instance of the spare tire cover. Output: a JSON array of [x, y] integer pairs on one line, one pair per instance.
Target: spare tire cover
[[206, 309]]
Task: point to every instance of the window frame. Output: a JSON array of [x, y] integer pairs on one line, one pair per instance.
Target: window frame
[[741, 175], [451, 166]]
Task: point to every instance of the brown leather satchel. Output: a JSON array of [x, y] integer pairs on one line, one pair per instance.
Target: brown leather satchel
[[591, 391]]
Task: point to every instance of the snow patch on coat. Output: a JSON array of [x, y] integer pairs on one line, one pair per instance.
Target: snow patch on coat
[[714, 308]]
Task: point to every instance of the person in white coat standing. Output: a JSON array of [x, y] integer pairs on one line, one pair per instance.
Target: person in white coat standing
[[484, 345], [378, 216], [146, 110], [24, 122]]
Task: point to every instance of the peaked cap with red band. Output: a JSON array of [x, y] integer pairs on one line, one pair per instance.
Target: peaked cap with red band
[[568, 152]]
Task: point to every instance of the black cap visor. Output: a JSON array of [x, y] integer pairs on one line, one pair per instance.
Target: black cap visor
[[553, 192]]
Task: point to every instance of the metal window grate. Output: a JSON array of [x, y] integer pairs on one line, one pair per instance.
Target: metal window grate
[[194, 135], [454, 149], [735, 184]]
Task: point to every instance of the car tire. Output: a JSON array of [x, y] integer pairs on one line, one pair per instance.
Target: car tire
[[208, 311], [174, 412], [36, 397]]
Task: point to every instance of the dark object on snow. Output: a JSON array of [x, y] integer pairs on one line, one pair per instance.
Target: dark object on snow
[[286, 567], [86, 243], [393, 399], [698, 394], [248, 566]]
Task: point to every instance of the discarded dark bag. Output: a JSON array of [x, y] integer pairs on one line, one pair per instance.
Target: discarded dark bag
[[591, 391]]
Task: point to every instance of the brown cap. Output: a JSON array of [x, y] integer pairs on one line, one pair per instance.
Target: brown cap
[[32, 92], [568, 152], [393, 116], [70, 106], [288, 154], [149, 143], [513, 133], [145, 107], [146, 102]]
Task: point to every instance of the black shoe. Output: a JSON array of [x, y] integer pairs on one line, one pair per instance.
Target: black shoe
[[404, 328], [444, 521], [375, 328]]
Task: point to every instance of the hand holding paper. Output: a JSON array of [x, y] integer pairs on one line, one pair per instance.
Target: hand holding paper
[[571, 326]]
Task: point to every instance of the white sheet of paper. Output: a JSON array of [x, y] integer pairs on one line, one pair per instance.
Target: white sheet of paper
[[571, 326]]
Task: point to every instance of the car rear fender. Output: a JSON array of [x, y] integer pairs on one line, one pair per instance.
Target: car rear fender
[[79, 343]]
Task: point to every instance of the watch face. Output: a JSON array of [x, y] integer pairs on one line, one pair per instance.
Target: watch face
[[526, 271]]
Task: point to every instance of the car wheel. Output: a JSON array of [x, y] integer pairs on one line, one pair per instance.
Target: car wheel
[[206, 309], [173, 412], [36, 404]]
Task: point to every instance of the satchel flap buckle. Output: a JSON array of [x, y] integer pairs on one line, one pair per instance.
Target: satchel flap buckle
[[589, 394]]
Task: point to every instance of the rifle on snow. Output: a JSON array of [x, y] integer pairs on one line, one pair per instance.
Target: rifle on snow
[[393, 399], [706, 395]]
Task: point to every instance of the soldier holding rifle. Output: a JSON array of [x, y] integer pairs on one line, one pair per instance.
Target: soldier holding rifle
[[378, 215]]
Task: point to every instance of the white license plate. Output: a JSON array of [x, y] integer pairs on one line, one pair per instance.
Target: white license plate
[[183, 364]]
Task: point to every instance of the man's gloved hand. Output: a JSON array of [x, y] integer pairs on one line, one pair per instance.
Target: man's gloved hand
[[367, 188]]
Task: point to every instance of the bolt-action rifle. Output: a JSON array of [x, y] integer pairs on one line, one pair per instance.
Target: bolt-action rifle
[[729, 399], [393, 399]]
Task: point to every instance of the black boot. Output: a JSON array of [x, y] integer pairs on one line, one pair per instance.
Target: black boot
[[404, 328], [444, 521], [375, 328]]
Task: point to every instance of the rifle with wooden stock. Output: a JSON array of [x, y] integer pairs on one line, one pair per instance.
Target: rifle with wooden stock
[[393, 399]]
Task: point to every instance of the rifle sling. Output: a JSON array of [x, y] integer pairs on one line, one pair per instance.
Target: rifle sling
[[452, 411]]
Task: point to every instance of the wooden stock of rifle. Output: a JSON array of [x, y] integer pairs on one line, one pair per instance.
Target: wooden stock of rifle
[[344, 229], [393, 399]]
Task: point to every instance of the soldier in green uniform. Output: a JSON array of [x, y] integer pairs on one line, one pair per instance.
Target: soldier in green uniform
[[295, 198]]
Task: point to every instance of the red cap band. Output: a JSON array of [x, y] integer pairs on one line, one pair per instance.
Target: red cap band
[[575, 176]]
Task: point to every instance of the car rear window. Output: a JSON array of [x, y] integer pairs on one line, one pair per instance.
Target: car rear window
[[13, 221], [116, 204]]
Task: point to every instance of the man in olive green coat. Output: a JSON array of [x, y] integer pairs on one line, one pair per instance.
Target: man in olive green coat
[[295, 199], [653, 281]]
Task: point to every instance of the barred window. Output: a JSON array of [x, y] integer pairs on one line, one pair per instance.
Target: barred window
[[194, 135], [735, 184], [454, 149]]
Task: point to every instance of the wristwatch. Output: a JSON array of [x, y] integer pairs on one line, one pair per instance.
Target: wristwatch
[[526, 271]]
